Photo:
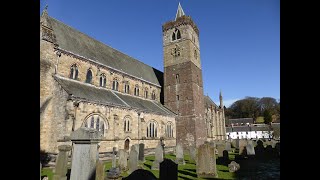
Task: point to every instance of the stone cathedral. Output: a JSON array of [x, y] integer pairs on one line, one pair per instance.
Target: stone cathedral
[[85, 83]]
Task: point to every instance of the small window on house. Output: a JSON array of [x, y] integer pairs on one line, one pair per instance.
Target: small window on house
[[115, 85], [177, 79], [89, 76], [74, 72]]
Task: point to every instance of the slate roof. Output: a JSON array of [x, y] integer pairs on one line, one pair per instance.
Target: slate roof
[[208, 102], [88, 92], [247, 128], [81, 44], [241, 120]]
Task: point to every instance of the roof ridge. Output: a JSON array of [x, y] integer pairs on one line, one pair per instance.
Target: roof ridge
[[100, 42]]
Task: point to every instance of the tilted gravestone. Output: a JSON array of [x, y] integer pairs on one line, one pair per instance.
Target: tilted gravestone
[[168, 170], [61, 168], [206, 162], [220, 148], [123, 163], [141, 152], [158, 157], [133, 159], [85, 142], [179, 155]]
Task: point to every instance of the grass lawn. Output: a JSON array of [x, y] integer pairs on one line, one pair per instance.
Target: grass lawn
[[186, 172]]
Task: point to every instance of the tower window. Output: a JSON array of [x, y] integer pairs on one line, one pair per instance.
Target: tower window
[[146, 93], [74, 72], [195, 54], [176, 35], [89, 76], [153, 95], [177, 79], [178, 98]]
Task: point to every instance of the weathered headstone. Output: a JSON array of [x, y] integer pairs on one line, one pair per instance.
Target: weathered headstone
[[141, 152], [114, 157], [233, 166], [220, 148], [237, 143], [242, 145], [206, 162], [100, 174], [192, 154], [179, 155], [168, 170], [250, 149], [158, 157], [228, 146], [133, 159], [85, 143], [61, 168], [123, 163]]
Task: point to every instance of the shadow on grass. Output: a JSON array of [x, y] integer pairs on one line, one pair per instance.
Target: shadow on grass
[[193, 170], [149, 166], [187, 173], [184, 178]]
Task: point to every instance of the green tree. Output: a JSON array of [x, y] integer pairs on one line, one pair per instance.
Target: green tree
[[267, 116]]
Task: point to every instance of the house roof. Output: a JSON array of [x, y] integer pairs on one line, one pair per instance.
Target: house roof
[[241, 120], [73, 41], [90, 93]]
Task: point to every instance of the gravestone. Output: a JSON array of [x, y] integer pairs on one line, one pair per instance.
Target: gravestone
[[141, 152], [133, 159], [85, 141], [100, 174], [179, 155], [259, 149], [220, 148], [277, 148], [123, 163], [233, 166], [242, 145], [114, 157], [206, 162], [61, 168], [168, 170], [158, 157], [273, 143], [192, 154], [140, 174], [225, 155], [237, 143], [250, 149], [228, 146], [137, 148]]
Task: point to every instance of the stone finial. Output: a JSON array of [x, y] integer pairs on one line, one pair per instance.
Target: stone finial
[[180, 12]]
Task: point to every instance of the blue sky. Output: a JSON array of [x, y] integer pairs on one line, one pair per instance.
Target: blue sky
[[239, 39]]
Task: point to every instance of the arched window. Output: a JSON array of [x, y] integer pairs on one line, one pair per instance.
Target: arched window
[[74, 72], [97, 122], [153, 95], [176, 35], [126, 88], [169, 130], [127, 124], [146, 93], [136, 90], [115, 85], [89, 76], [103, 80], [152, 129]]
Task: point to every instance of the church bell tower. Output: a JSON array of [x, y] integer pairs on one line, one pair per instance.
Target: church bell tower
[[183, 87]]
